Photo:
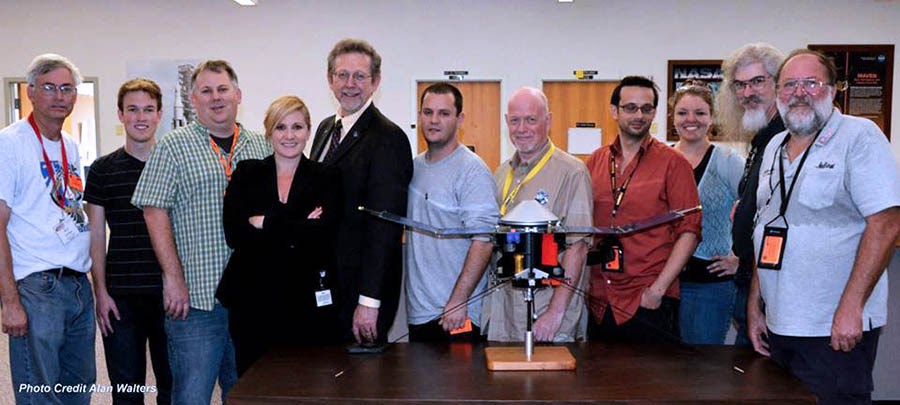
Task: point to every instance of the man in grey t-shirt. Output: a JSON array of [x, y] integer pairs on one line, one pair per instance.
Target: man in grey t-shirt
[[822, 252], [451, 188]]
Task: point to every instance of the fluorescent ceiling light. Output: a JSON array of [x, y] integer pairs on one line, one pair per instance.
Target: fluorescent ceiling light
[[246, 2]]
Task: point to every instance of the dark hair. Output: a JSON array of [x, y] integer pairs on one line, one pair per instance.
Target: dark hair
[[217, 66], [352, 45], [140, 84], [444, 88], [639, 81], [693, 87], [827, 63]]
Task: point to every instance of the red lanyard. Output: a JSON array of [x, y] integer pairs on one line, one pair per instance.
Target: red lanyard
[[226, 162], [65, 163]]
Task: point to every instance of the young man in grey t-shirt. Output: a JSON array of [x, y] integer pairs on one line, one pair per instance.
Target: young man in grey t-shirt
[[451, 188]]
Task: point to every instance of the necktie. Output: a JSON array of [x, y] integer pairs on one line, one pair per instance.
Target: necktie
[[335, 140]]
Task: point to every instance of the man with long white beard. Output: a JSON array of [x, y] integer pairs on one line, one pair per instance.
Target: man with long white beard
[[829, 214], [746, 110]]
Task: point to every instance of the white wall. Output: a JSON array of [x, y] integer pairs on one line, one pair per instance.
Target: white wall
[[280, 46]]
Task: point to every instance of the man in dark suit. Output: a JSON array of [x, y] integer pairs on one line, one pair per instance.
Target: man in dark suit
[[375, 161]]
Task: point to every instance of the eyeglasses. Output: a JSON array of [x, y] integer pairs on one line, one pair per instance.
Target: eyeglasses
[[50, 89], [755, 83], [810, 86], [344, 75], [632, 108]]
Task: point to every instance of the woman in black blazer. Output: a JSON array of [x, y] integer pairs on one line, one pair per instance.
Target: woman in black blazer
[[279, 217]]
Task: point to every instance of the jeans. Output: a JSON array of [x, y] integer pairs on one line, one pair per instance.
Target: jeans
[[705, 312], [200, 350], [740, 314], [54, 362], [142, 320]]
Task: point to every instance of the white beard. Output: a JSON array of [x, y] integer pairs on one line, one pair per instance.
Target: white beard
[[754, 120], [808, 123]]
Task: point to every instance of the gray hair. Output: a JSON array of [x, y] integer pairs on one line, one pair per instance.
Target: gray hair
[[43, 64], [730, 112]]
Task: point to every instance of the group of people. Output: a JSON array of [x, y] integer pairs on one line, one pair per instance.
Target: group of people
[[224, 243]]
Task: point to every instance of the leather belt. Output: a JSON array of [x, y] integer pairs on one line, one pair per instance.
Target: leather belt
[[64, 271]]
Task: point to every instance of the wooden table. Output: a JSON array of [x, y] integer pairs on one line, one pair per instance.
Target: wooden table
[[429, 373]]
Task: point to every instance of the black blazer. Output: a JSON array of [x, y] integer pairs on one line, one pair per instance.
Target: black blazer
[[279, 264], [375, 164]]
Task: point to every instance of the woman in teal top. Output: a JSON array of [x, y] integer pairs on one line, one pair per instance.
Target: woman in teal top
[[707, 283]]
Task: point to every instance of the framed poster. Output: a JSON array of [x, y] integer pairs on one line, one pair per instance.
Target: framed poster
[[708, 70], [868, 72]]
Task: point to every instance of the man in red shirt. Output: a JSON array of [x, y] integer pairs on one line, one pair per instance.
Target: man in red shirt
[[635, 298]]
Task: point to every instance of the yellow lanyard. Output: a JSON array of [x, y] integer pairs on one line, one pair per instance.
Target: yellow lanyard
[[509, 195]]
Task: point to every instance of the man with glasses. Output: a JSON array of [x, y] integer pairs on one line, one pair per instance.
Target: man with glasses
[[47, 305], [634, 292], [375, 162], [746, 111], [829, 214], [541, 172]]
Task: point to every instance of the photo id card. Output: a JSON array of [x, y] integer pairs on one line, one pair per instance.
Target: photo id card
[[771, 253]]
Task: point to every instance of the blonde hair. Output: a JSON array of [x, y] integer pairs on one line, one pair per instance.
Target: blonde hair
[[280, 108]]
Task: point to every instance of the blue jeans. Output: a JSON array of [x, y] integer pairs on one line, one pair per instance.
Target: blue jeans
[[200, 350], [706, 310], [142, 318], [54, 362]]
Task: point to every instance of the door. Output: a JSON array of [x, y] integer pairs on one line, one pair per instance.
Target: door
[[580, 104], [481, 127]]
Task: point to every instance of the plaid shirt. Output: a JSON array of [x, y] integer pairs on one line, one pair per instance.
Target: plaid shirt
[[184, 175]]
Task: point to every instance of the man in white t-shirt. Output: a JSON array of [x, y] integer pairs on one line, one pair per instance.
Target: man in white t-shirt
[[47, 305]]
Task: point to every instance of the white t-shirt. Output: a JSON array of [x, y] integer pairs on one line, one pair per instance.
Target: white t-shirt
[[26, 187]]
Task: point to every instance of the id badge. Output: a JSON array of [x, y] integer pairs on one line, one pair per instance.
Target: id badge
[[323, 295], [65, 230], [616, 262], [323, 298], [771, 253]]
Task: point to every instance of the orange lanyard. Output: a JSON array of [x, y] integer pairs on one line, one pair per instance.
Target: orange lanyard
[[226, 161], [65, 163]]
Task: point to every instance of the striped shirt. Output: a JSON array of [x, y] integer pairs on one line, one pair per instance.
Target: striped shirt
[[131, 266], [184, 175]]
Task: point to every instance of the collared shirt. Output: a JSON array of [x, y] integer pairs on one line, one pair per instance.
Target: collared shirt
[[663, 181], [849, 174], [347, 124], [564, 187], [185, 176]]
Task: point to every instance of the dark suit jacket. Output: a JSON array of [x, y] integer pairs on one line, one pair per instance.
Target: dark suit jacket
[[375, 162], [274, 271]]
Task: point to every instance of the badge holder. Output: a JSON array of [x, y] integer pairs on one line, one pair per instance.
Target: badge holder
[[614, 255], [774, 240]]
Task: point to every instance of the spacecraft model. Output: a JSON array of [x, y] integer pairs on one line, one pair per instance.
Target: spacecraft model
[[529, 238]]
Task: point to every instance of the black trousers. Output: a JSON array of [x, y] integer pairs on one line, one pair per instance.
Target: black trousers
[[142, 320], [654, 326], [834, 376]]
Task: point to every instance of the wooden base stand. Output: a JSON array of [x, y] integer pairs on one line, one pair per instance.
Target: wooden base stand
[[544, 358]]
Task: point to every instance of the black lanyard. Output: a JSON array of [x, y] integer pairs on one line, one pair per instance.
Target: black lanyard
[[618, 194], [785, 198]]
